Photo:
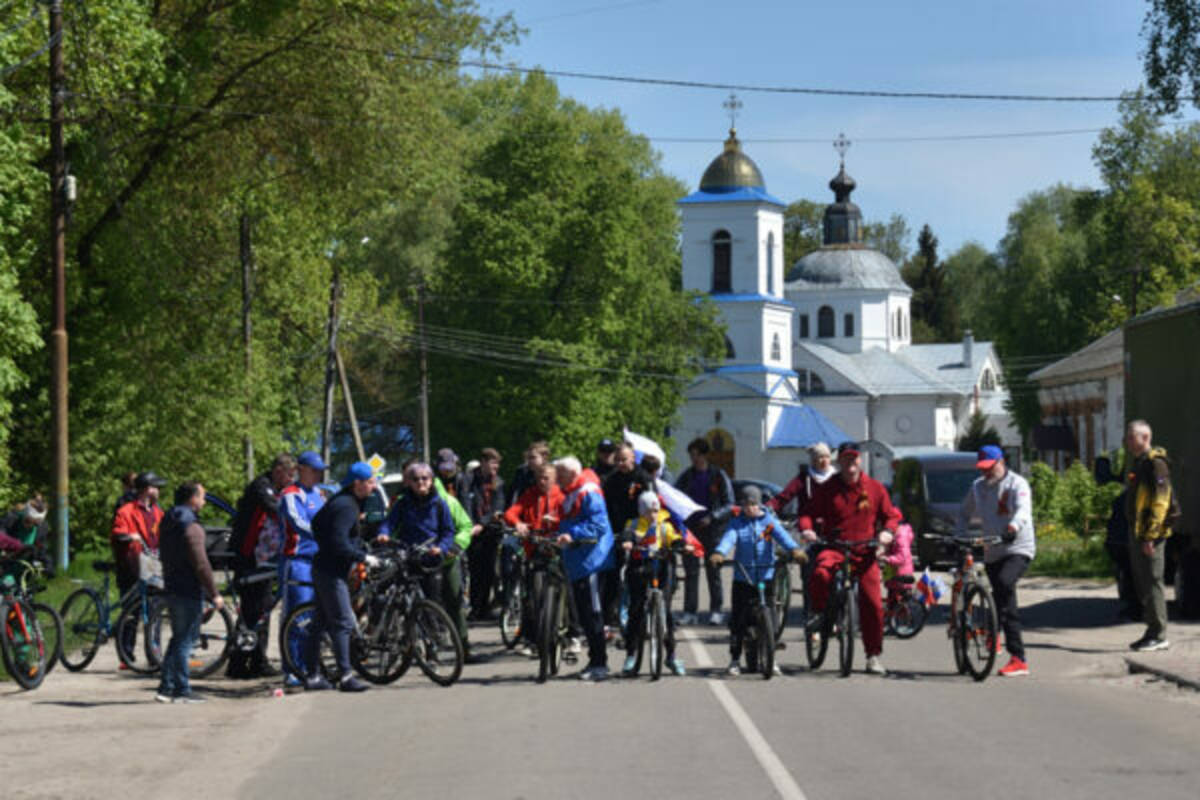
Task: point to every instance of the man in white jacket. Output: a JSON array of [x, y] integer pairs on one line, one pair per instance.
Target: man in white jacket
[[1003, 501]]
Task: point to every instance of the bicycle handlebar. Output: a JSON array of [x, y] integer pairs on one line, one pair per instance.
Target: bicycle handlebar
[[964, 541]]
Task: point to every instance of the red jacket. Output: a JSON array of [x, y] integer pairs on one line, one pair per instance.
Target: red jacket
[[531, 506], [858, 510], [134, 520]]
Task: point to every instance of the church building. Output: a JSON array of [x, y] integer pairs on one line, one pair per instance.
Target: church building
[[821, 351]]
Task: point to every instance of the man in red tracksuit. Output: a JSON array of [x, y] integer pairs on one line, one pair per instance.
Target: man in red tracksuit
[[855, 506]]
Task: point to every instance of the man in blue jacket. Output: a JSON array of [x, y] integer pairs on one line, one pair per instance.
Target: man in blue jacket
[[750, 540], [587, 539], [334, 529], [299, 503]]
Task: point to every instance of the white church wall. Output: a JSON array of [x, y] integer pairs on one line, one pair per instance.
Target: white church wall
[[848, 412], [874, 324], [745, 223], [905, 420], [946, 430], [770, 230]]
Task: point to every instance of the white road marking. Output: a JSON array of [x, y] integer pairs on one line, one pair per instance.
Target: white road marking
[[776, 771]]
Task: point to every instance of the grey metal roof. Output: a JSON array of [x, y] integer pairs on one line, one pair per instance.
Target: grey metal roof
[[1106, 354], [845, 267], [920, 369]]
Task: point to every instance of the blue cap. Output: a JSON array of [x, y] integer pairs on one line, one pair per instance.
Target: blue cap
[[309, 458], [359, 471], [988, 455]]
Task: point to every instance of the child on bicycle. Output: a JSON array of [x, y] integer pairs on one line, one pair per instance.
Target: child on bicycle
[[750, 541], [653, 531], [896, 556]]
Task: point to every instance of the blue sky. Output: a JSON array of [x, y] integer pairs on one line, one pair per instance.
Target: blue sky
[[964, 190]]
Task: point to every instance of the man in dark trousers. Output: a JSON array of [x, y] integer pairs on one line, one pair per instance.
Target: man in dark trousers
[[486, 504], [622, 488], [257, 539], [134, 531], [187, 581], [1149, 509], [708, 486], [335, 530]]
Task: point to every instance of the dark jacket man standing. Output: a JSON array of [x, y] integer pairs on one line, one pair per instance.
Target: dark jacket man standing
[[709, 486], [1148, 507]]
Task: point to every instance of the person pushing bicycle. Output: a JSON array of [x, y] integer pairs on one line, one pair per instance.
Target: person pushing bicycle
[[651, 534], [750, 540], [853, 507]]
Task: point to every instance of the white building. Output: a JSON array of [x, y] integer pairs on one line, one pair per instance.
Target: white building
[[826, 354]]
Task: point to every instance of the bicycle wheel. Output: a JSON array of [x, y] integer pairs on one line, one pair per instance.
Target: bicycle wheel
[[434, 643], [816, 633], [213, 641], [82, 631], [847, 620], [978, 631], [125, 636], [22, 645], [656, 625], [52, 629], [384, 654], [297, 630], [510, 616], [548, 641], [906, 618], [765, 641], [781, 598]]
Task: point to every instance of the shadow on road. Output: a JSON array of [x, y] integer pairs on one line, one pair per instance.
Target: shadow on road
[[1072, 612]]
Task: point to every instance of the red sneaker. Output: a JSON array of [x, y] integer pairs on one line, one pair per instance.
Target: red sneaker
[[1013, 668], [998, 645]]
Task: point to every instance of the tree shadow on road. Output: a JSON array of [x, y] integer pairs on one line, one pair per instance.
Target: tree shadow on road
[[1072, 612], [91, 703]]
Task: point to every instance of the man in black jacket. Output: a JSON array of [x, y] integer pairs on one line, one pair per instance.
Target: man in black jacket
[[485, 502], [622, 488], [709, 486], [257, 537], [335, 530]]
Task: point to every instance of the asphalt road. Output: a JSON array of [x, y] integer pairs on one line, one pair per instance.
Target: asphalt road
[[1077, 728]]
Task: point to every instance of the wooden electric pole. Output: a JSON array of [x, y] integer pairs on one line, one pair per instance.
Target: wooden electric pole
[[58, 256], [424, 373], [247, 257], [331, 365]]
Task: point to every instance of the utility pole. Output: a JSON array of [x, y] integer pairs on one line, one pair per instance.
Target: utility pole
[[331, 364], [58, 255], [349, 398], [424, 372], [247, 257]]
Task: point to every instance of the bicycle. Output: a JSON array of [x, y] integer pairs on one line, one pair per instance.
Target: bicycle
[[760, 633], [28, 656], [840, 617], [904, 612], [88, 616], [973, 628], [660, 568], [554, 607], [515, 607], [401, 624]]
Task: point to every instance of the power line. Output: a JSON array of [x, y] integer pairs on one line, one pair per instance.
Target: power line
[[53, 40], [21, 23]]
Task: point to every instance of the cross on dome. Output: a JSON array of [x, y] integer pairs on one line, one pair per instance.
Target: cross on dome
[[732, 105], [841, 144]]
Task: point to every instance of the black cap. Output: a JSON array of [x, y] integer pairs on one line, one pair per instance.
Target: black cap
[[606, 446], [149, 478]]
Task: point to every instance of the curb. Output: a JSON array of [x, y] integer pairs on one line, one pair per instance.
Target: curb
[[1136, 666]]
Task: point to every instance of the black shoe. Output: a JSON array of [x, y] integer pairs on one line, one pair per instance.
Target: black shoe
[[1149, 644], [317, 684], [265, 670], [351, 684], [190, 697], [474, 658]]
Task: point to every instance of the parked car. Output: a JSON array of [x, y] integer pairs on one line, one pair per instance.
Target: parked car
[[929, 489]]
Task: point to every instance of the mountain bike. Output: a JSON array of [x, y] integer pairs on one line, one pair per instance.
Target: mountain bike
[[31, 630], [973, 627], [903, 611], [553, 606], [658, 567], [840, 617], [760, 632], [516, 600], [90, 619]]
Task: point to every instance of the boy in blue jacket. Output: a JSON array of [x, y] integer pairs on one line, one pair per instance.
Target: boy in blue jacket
[[750, 540]]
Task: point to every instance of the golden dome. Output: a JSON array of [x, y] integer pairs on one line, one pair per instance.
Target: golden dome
[[731, 170]]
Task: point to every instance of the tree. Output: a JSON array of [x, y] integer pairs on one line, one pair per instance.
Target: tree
[[803, 230], [1171, 60], [890, 238], [977, 434], [935, 317]]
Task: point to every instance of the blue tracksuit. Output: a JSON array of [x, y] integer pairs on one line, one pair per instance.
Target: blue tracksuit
[[751, 542], [585, 518]]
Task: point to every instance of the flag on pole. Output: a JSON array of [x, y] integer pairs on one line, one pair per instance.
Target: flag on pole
[[643, 446]]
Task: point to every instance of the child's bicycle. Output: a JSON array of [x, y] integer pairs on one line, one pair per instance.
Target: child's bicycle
[[32, 632], [658, 565], [904, 612], [760, 631], [973, 628]]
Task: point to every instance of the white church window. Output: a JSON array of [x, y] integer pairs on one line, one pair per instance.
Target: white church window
[[899, 326], [804, 326], [988, 382], [848, 325], [825, 323], [771, 263], [722, 273], [776, 352], [810, 382]]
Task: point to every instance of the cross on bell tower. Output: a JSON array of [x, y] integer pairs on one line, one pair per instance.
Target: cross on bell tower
[[841, 144], [732, 106]]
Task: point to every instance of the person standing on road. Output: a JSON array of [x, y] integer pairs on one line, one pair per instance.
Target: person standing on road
[[750, 540], [485, 503], [187, 582], [335, 530], [299, 503], [1150, 509], [134, 531], [622, 488], [708, 486], [811, 475], [587, 539], [1004, 501], [257, 540], [538, 508], [852, 507]]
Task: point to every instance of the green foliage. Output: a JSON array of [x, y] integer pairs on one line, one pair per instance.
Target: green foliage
[[1043, 482], [1172, 57], [803, 232], [1071, 502], [1063, 554], [934, 313], [978, 434]]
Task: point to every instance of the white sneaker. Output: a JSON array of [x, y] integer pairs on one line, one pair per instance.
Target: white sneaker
[[574, 647], [716, 618], [687, 618], [875, 666], [734, 669]]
